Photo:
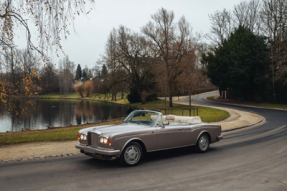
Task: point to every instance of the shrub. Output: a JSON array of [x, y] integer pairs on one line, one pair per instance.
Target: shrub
[[79, 87]]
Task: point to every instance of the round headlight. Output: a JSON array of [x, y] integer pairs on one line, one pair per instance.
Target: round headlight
[[105, 140], [101, 139], [85, 137], [82, 137]]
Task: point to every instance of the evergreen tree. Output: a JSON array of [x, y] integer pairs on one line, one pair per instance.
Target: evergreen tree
[[104, 71], [78, 72], [239, 64], [84, 74]]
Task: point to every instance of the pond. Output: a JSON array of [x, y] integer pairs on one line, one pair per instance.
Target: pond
[[43, 113]]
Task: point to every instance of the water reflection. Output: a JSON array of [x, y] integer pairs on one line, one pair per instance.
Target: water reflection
[[44, 113]]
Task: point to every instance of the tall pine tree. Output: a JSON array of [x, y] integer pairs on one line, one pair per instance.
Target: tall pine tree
[[104, 71], [78, 72], [85, 74]]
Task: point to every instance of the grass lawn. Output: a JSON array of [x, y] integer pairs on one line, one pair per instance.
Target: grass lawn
[[270, 105], [94, 97], [61, 134]]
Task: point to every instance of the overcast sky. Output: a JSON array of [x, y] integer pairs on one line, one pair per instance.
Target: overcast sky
[[87, 45]]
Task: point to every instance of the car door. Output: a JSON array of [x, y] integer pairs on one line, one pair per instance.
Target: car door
[[171, 136]]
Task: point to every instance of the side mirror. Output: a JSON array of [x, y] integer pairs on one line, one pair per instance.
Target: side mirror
[[165, 123]]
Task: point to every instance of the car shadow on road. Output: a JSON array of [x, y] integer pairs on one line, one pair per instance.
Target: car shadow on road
[[150, 157]]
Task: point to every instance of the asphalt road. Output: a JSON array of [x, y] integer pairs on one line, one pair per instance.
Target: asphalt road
[[247, 159]]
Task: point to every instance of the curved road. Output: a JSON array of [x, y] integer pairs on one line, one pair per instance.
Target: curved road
[[253, 158]]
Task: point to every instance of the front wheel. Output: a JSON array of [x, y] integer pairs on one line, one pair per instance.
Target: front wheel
[[132, 154], [203, 143]]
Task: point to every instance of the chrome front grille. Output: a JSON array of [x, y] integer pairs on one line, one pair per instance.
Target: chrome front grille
[[89, 138], [93, 139]]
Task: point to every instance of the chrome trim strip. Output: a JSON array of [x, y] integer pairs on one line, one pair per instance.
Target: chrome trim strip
[[94, 150], [220, 137], [171, 148], [96, 131]]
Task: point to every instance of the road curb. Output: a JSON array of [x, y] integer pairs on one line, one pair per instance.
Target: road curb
[[262, 120], [39, 158]]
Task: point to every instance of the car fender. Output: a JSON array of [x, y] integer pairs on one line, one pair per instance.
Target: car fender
[[128, 141], [204, 131]]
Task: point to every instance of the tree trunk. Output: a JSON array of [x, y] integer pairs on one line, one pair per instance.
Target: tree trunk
[[170, 95], [273, 76], [170, 99], [189, 97], [165, 100], [13, 74]]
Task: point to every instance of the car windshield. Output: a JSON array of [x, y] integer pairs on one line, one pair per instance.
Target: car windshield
[[142, 117]]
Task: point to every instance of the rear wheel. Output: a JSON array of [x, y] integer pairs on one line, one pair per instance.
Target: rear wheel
[[131, 155], [202, 144]]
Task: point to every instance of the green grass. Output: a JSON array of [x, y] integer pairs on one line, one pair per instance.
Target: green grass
[[93, 97], [206, 114], [61, 134], [211, 98], [269, 105]]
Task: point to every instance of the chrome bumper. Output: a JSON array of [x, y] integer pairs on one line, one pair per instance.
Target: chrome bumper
[[97, 151], [219, 137]]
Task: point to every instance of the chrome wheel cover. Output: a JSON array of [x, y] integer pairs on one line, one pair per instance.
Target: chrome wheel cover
[[132, 154], [203, 143]]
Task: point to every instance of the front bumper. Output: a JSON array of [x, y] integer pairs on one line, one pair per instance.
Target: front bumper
[[98, 151]]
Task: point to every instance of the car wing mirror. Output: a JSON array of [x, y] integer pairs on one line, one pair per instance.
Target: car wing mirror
[[165, 123]]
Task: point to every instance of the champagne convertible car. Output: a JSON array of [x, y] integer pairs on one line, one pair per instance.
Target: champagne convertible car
[[146, 131]]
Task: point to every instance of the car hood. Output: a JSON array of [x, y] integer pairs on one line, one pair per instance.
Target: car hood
[[111, 129]]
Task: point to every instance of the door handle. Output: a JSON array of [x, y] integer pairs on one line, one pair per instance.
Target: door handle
[[180, 129]]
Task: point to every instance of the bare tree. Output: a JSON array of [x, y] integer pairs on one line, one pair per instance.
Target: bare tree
[[79, 87], [161, 80], [110, 60], [274, 19], [248, 14], [224, 22], [89, 87], [221, 26], [129, 62], [49, 78], [66, 77], [170, 42], [50, 18]]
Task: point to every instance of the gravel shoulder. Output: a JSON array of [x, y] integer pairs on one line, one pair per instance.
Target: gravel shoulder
[[35, 150]]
